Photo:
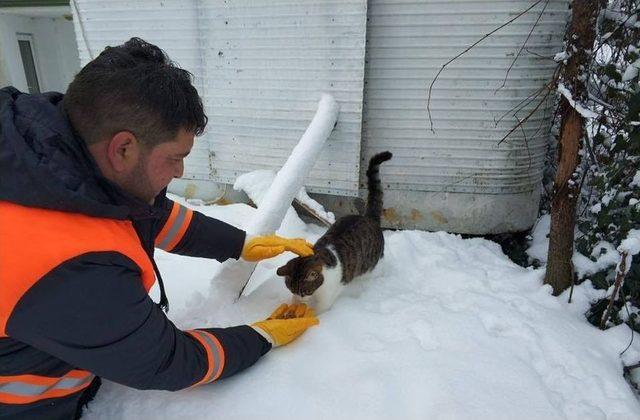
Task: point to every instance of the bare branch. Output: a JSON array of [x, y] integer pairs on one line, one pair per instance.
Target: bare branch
[[541, 125], [522, 104], [546, 57], [526, 142], [465, 51], [620, 273], [529, 99], [444, 189], [620, 26], [632, 328], [523, 45], [520, 122]]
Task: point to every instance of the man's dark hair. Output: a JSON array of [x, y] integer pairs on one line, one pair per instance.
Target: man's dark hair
[[133, 87]]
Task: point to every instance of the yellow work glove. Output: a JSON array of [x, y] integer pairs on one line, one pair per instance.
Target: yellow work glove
[[258, 248], [286, 323]]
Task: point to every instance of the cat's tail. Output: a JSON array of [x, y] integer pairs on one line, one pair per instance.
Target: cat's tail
[[374, 202]]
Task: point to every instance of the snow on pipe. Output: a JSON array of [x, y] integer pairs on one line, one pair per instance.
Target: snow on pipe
[[291, 177], [288, 181]]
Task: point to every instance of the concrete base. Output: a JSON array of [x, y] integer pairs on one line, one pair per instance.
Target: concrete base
[[452, 212]]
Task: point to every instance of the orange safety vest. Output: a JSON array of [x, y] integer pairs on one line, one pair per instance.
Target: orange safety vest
[[34, 241]]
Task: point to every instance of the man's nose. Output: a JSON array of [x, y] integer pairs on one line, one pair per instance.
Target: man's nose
[[179, 170]]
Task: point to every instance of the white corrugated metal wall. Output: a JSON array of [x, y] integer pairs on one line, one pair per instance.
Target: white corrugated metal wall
[[266, 64], [449, 172], [408, 42], [260, 67], [170, 24]]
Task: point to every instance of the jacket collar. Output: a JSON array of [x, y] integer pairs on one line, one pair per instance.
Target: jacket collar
[[44, 162]]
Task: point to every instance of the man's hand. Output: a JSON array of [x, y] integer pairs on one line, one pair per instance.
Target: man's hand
[[258, 248], [286, 323]]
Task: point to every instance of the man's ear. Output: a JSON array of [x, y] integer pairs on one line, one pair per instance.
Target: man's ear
[[283, 271], [123, 151]]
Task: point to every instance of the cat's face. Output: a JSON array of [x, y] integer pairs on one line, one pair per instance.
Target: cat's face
[[302, 275]]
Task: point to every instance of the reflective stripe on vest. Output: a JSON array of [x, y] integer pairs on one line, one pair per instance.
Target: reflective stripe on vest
[[174, 228], [33, 242], [25, 389], [215, 355]]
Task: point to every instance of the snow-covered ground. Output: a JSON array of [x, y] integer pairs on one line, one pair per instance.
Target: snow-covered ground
[[444, 328], [604, 253]]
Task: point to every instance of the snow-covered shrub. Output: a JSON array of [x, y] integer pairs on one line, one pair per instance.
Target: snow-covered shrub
[[610, 202]]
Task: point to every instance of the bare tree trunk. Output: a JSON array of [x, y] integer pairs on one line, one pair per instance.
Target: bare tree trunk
[[580, 37], [563, 204]]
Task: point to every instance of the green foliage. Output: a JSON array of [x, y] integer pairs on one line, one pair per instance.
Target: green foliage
[[611, 199], [612, 72]]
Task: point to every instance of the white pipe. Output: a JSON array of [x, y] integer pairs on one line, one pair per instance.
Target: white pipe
[[288, 181], [291, 177]]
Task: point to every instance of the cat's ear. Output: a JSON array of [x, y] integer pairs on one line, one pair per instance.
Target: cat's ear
[[283, 271]]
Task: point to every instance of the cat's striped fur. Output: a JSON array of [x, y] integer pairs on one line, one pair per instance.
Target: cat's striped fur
[[352, 246]]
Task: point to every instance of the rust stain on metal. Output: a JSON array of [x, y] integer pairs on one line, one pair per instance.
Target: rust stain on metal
[[190, 190], [438, 217], [416, 215], [391, 215]]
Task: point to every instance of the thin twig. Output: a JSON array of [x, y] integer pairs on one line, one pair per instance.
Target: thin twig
[[546, 57], [526, 143], [622, 24], [522, 104], [465, 51], [582, 180], [443, 189], [592, 155], [631, 327], [525, 118], [620, 273], [523, 45], [574, 276], [556, 109], [541, 125], [526, 101]]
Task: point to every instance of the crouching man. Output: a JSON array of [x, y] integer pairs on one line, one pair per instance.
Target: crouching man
[[82, 206]]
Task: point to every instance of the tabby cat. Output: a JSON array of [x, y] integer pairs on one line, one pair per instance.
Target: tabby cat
[[352, 246]]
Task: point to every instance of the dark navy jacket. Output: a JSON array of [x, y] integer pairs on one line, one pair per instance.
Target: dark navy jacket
[[44, 164]]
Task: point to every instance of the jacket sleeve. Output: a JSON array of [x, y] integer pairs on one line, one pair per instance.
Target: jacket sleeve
[[93, 313], [187, 232]]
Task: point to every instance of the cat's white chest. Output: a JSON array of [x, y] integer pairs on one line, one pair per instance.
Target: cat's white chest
[[326, 295]]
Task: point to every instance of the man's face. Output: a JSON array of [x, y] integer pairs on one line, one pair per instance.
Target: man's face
[[157, 166]]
